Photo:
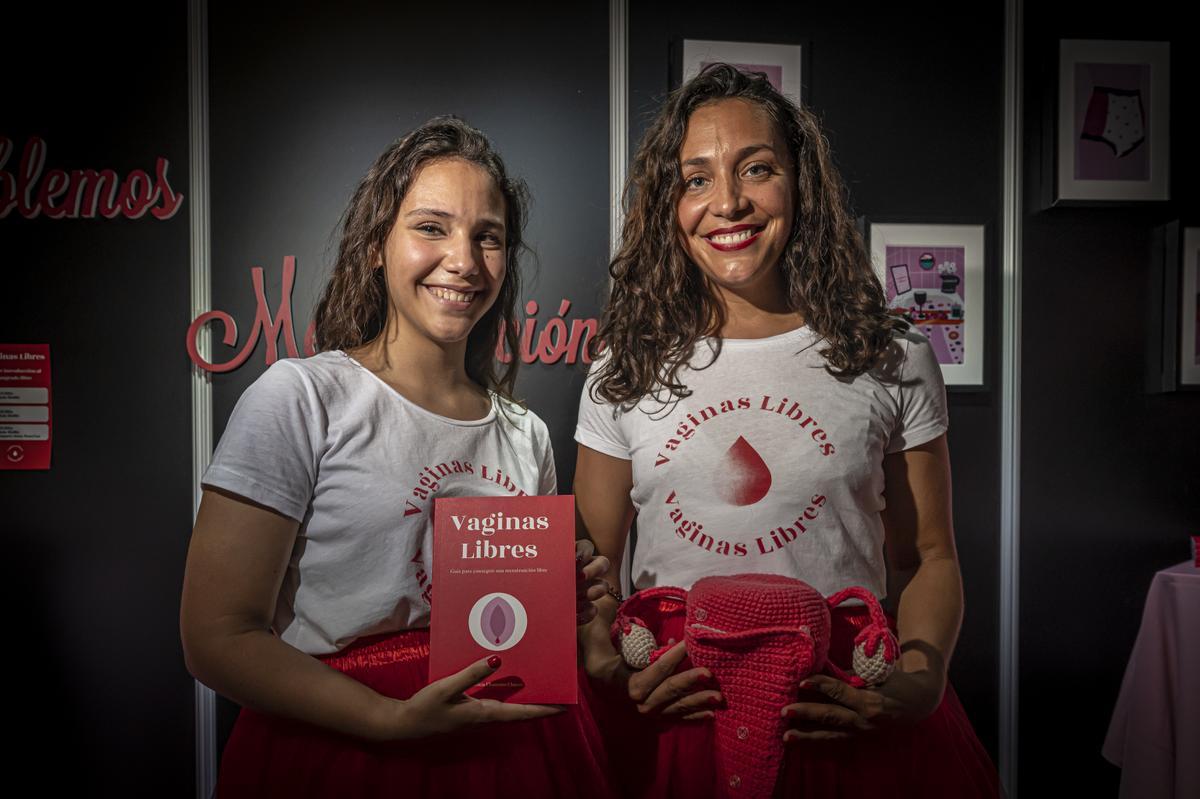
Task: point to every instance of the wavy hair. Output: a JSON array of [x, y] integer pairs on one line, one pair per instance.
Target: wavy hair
[[661, 304], [353, 308]]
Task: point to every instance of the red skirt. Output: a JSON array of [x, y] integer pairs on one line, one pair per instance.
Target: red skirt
[[660, 758], [558, 756]]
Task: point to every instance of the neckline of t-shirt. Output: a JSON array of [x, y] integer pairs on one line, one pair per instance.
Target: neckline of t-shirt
[[787, 337], [486, 420]]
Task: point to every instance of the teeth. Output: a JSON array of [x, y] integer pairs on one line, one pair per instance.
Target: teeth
[[732, 238], [453, 296]]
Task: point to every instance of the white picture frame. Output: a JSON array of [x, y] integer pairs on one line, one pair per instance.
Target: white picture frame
[[782, 63], [1105, 86], [944, 299]]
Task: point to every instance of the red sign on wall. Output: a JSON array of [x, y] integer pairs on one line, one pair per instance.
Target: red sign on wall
[[24, 406], [81, 193], [556, 341]]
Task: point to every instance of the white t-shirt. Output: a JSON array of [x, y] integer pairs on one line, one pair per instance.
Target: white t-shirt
[[326, 442], [772, 465]]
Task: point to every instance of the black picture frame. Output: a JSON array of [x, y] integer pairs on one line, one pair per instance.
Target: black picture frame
[[1175, 248]]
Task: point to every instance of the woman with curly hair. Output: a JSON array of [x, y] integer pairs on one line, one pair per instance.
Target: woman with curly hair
[[307, 592], [758, 411]]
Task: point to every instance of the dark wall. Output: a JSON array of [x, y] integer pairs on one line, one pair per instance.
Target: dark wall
[[94, 547], [910, 96], [304, 100], [1110, 489]]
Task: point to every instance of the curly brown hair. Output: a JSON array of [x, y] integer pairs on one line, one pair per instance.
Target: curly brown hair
[[661, 304], [353, 308]]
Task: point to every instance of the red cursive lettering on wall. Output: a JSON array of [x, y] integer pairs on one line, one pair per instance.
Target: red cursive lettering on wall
[[81, 193], [264, 322], [556, 343]]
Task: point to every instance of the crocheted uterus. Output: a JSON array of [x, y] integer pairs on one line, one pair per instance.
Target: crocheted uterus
[[760, 635]]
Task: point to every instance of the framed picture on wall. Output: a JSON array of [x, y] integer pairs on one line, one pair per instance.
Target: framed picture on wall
[[1113, 124], [932, 275], [1173, 312], [1189, 310], [781, 63]]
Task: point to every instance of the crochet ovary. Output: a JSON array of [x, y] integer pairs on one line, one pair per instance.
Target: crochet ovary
[[760, 635]]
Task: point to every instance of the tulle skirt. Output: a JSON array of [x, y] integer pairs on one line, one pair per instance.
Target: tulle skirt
[[657, 758], [559, 756]]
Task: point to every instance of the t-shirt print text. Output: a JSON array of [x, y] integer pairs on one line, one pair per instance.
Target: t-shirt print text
[[743, 478], [430, 478], [430, 481]]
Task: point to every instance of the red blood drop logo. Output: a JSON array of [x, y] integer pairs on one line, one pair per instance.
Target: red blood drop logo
[[745, 478]]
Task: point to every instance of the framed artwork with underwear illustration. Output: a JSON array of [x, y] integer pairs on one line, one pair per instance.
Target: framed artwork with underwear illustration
[[933, 276], [783, 64], [1113, 124]]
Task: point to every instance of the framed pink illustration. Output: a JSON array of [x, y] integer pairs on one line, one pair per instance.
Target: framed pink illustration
[[932, 275], [1113, 124], [781, 63]]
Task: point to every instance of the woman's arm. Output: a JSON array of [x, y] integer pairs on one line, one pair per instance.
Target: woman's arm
[[604, 513], [918, 523], [919, 526], [236, 563]]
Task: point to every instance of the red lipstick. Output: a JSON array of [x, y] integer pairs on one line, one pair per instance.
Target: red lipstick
[[736, 245]]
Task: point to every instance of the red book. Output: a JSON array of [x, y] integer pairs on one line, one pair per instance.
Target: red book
[[504, 584]]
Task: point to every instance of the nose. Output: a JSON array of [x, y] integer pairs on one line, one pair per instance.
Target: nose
[[463, 255], [728, 200]]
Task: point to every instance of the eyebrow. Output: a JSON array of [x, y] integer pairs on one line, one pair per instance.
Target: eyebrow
[[742, 153], [490, 221], [430, 212]]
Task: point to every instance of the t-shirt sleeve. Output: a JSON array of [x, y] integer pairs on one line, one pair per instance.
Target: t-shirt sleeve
[[269, 451], [921, 395], [547, 473], [599, 424]]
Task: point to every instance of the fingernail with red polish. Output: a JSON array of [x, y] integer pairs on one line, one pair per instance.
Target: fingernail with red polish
[[494, 662], [580, 576]]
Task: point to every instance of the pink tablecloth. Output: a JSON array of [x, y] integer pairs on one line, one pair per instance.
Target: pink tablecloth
[[1155, 731]]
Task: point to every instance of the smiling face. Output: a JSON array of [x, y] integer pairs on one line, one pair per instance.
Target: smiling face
[[445, 255], [735, 212]]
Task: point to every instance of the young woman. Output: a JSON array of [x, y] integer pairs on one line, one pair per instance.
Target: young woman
[[307, 592], [759, 412]]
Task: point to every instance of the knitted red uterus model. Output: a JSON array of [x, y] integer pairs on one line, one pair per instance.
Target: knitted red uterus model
[[760, 635]]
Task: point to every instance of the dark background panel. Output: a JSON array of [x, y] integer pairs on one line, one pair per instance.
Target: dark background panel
[[1110, 490], [94, 547], [304, 99], [911, 100]]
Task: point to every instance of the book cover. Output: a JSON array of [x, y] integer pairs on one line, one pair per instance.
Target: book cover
[[504, 584]]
